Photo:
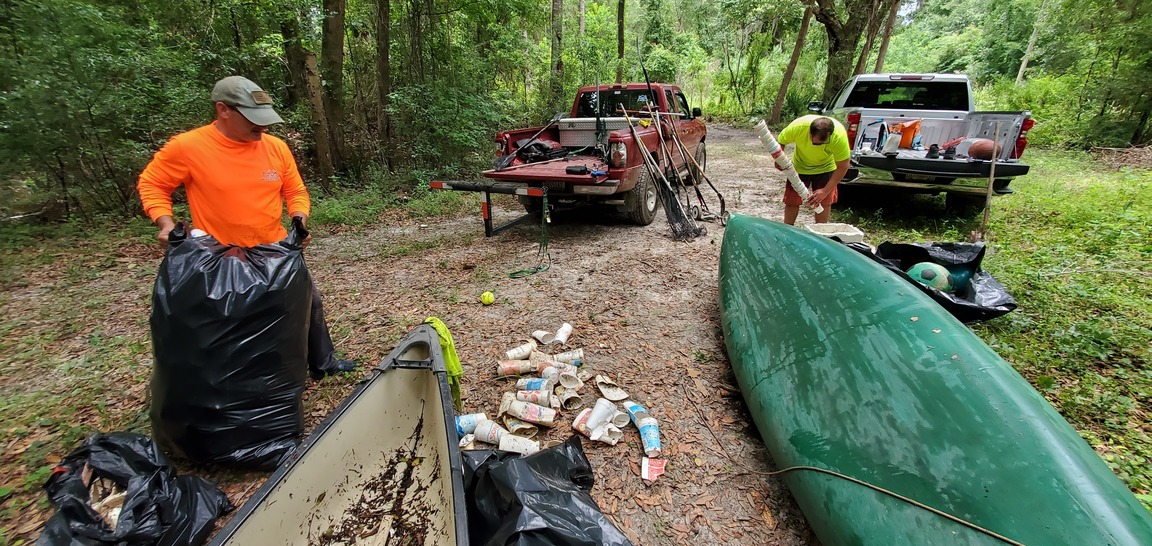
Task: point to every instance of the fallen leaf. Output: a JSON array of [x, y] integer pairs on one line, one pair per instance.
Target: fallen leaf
[[681, 528], [692, 372], [698, 461], [769, 519]]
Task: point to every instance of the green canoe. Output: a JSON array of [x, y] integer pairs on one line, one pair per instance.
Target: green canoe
[[846, 367]]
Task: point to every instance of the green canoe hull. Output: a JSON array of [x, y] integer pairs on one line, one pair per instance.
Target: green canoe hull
[[846, 367]]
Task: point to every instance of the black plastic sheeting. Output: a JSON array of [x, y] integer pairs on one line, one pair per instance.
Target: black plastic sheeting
[[160, 508], [977, 296], [230, 340], [541, 499]]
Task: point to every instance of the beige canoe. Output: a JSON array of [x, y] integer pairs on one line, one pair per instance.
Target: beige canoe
[[382, 469]]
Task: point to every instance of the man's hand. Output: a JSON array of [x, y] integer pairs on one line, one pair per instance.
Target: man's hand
[[166, 224], [303, 222], [817, 197]]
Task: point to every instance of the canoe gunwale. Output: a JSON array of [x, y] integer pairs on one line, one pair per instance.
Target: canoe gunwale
[[434, 364]]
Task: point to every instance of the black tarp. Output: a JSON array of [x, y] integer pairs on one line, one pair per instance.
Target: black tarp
[[976, 297], [160, 508], [541, 499], [230, 340]]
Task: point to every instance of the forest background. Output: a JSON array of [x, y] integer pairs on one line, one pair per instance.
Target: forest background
[[380, 96]]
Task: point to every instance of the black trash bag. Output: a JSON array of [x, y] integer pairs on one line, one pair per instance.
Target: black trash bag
[[977, 296], [536, 500], [160, 508], [230, 340]]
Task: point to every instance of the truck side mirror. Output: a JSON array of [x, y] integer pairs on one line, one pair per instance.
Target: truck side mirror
[[816, 106], [696, 112]]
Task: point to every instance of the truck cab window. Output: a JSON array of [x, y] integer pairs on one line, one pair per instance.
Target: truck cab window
[[682, 106]]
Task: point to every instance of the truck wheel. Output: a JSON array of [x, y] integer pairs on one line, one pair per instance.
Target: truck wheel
[[702, 159], [531, 204], [640, 203]]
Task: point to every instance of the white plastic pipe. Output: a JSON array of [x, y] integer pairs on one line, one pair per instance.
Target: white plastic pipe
[[785, 164]]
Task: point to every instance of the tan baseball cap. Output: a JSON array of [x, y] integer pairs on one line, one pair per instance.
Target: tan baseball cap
[[247, 98]]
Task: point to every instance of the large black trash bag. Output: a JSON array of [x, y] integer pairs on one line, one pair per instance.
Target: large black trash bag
[[536, 500], [977, 295], [160, 508], [230, 340]]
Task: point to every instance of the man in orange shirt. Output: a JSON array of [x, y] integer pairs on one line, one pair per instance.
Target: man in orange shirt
[[237, 179]]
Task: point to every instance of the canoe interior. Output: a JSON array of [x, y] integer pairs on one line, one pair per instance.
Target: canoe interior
[[385, 459]]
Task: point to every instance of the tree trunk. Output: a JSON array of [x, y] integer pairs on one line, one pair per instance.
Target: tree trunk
[[843, 36], [1138, 135], [801, 36], [324, 161], [384, 76], [297, 84], [581, 18], [869, 37], [1041, 18], [620, 41], [557, 83], [332, 71], [887, 36]]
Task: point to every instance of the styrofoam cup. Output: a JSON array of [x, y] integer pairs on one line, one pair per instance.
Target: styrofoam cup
[[570, 399], [562, 333], [543, 337], [521, 352], [466, 424], [518, 444], [489, 432], [514, 367], [602, 413], [620, 419], [570, 357]]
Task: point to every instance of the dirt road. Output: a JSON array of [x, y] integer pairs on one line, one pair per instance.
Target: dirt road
[[645, 310]]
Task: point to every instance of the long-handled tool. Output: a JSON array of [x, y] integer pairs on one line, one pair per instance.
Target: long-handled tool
[[507, 158], [699, 170], [683, 227]]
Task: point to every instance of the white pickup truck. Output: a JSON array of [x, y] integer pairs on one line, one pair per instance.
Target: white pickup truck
[[868, 104]]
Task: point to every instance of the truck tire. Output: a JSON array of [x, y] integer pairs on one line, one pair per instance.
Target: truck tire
[[702, 160], [640, 203]]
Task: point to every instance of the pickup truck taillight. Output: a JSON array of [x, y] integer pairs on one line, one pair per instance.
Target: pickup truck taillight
[[617, 154], [853, 128], [1022, 140]]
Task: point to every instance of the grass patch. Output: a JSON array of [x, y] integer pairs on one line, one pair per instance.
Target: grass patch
[[1074, 247]]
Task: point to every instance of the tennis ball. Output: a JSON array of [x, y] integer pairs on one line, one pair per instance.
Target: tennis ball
[[487, 298]]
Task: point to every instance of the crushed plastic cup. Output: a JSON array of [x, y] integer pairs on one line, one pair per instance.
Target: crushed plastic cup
[[606, 432], [540, 359], [602, 412], [650, 468], [550, 373], [520, 428], [563, 333], [466, 424], [521, 352], [489, 432], [570, 380], [609, 389], [467, 441], [544, 337], [527, 411], [570, 357], [514, 367], [534, 384], [649, 428], [570, 398], [620, 419], [518, 444]]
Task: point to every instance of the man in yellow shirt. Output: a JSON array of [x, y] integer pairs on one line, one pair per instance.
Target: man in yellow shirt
[[237, 179], [821, 160]]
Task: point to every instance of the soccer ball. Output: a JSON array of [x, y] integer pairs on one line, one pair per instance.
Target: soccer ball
[[931, 274]]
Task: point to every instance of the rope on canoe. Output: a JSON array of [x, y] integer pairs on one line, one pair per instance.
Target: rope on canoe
[[895, 495], [945, 515]]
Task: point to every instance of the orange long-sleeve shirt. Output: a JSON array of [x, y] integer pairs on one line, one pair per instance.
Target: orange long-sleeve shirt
[[236, 190]]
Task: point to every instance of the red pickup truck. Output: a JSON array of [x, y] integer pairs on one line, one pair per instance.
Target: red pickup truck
[[590, 156]]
